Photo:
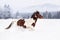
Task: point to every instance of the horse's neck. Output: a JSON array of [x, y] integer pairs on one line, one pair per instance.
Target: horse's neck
[[34, 20]]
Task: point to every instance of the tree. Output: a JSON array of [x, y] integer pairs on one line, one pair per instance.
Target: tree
[[49, 15], [7, 12], [44, 15], [58, 15], [18, 15]]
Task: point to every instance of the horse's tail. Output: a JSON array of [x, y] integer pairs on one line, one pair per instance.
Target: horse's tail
[[10, 25]]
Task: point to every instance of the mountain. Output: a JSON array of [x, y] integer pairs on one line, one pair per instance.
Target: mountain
[[42, 8]]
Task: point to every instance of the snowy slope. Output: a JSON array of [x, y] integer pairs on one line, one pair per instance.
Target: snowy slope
[[45, 29]]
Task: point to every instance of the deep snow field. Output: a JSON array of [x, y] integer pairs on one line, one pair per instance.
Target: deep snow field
[[45, 29]]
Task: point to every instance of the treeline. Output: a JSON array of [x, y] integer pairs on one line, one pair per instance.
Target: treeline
[[7, 13], [51, 15]]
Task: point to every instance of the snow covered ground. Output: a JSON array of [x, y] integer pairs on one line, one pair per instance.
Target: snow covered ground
[[45, 29]]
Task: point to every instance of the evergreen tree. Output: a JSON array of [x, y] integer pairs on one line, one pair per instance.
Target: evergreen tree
[[49, 15], [7, 12]]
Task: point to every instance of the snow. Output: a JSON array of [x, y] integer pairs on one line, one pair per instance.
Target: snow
[[45, 29]]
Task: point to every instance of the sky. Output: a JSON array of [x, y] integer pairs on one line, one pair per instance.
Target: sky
[[19, 4]]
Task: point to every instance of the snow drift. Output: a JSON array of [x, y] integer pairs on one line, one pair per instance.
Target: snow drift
[[45, 29]]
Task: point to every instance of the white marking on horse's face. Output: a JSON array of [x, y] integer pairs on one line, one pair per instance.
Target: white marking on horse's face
[[35, 16], [28, 23]]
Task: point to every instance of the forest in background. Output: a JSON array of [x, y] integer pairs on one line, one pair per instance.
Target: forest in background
[[7, 13]]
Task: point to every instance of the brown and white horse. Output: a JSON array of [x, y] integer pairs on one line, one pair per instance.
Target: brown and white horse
[[28, 23]]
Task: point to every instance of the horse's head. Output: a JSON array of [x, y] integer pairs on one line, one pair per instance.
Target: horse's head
[[36, 15]]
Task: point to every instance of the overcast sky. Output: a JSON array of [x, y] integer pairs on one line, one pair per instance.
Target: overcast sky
[[18, 4]]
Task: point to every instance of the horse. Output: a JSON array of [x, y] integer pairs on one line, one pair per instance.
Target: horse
[[28, 23]]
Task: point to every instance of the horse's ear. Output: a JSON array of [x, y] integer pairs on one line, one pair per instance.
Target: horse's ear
[[37, 12]]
